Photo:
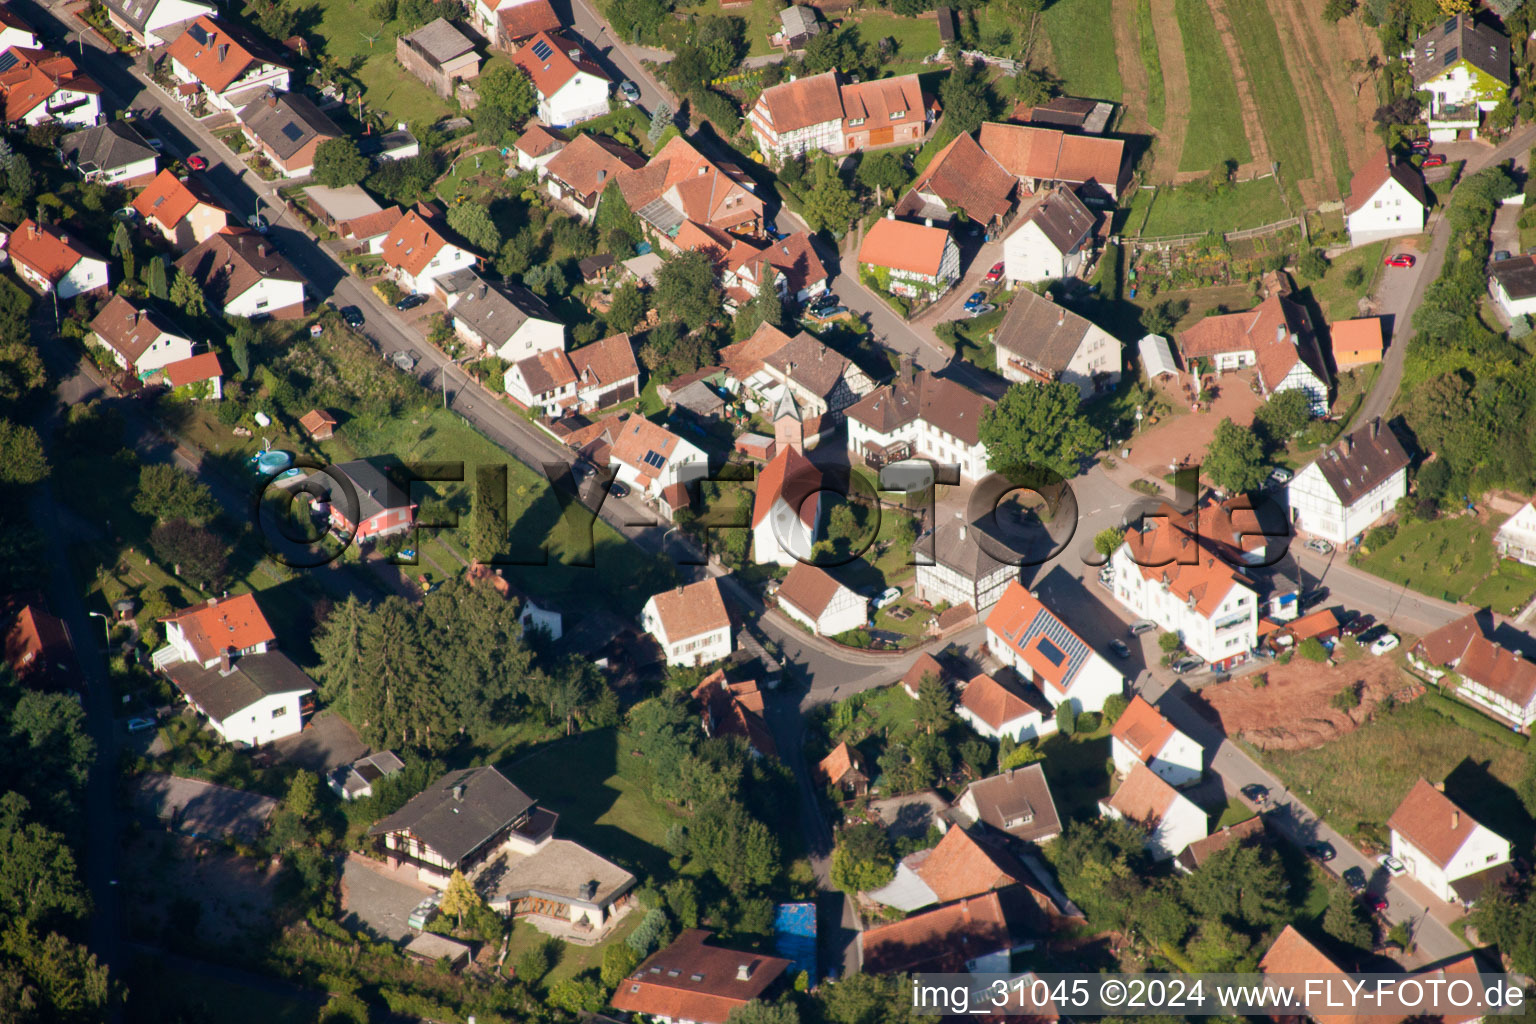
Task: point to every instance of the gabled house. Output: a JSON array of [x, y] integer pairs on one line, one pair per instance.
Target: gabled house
[[43, 87], [287, 128], [919, 415], [223, 65], [512, 23], [1352, 485], [152, 22], [505, 320], [1444, 847], [1512, 283], [112, 153], [967, 936], [804, 275], [735, 709], [843, 770], [1516, 538], [1202, 850], [417, 253], [924, 667], [1172, 820], [182, 211], [199, 376], [1277, 337], [339, 208], [544, 382], [813, 597], [578, 171], [1176, 572], [218, 628], [37, 646], [680, 184], [694, 982], [965, 568], [142, 341], [824, 112], [1070, 113], [355, 780], [1143, 736], [14, 31], [607, 372], [440, 55], [1041, 341], [961, 179], [244, 275], [1042, 157], [911, 260], [1465, 67], [690, 623], [996, 709], [570, 87], [647, 457], [959, 867], [378, 504], [1493, 678], [1051, 241], [538, 145], [786, 509], [1386, 198], [820, 382], [1028, 637], [49, 260], [1356, 343], [1016, 803]]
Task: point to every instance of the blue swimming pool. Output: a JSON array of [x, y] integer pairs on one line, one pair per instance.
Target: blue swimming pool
[[794, 936]]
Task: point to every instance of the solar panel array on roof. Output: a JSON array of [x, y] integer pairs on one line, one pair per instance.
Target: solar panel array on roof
[[7, 60], [1451, 55], [292, 132], [542, 50], [198, 33], [654, 460], [1055, 655], [1450, 26], [1057, 635]]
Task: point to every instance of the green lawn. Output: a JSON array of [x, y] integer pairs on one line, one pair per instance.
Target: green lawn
[[916, 38], [1356, 781], [573, 959], [1215, 120], [762, 19], [1280, 110], [343, 32], [1192, 210], [578, 779], [1338, 300], [1083, 48], [1230, 813], [1147, 37], [535, 518], [1079, 771], [1451, 558], [1507, 589]]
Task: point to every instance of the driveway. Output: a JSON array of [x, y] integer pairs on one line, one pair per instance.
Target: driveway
[[377, 899]]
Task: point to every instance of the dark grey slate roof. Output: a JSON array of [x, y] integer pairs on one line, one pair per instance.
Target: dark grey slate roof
[[454, 826], [493, 312], [105, 147], [1041, 331], [439, 41], [287, 122], [251, 677], [1361, 460], [1460, 37], [377, 488], [1518, 276]]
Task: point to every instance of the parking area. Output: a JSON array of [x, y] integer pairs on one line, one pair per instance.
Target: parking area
[[377, 899]]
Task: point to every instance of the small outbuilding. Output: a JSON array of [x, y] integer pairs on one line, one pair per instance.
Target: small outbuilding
[[431, 948], [319, 424]]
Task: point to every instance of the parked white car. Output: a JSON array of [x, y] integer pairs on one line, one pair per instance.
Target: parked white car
[[1384, 644]]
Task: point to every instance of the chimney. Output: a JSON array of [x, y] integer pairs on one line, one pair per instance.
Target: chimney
[[1375, 428], [1440, 786], [963, 528], [1280, 333], [261, 249], [458, 791], [602, 175], [224, 662], [271, 98], [1455, 820], [743, 972], [212, 601], [890, 214]]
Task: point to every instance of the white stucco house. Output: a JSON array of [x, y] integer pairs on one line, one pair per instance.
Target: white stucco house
[[507, 319], [1177, 571], [243, 274], [647, 457], [996, 709], [1050, 241], [141, 340], [813, 597], [43, 87], [1040, 341], [417, 254], [1444, 847], [1028, 637], [223, 65], [1144, 736], [1386, 199], [1517, 537], [51, 260], [1512, 283], [1492, 678], [786, 509], [1464, 65], [151, 22], [690, 623], [570, 87], [1350, 486], [920, 416], [1171, 819]]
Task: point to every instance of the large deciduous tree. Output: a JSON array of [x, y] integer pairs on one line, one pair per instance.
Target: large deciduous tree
[[1037, 427], [1234, 460]]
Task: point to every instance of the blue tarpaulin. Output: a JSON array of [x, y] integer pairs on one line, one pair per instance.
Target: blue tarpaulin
[[794, 936]]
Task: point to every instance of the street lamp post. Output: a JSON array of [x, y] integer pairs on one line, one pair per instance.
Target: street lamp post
[[106, 626]]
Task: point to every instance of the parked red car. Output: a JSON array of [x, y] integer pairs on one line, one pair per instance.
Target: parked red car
[[197, 163], [1434, 160], [995, 274], [1420, 144], [1400, 259]]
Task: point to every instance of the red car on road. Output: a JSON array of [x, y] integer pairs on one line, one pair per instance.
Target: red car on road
[[197, 163], [1400, 259], [995, 274], [1434, 160]]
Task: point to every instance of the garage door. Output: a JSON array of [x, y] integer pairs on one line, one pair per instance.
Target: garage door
[[882, 136]]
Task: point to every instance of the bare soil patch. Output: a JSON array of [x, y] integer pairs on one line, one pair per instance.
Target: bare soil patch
[[1170, 52], [1132, 73], [235, 893], [1294, 711], [1249, 106]]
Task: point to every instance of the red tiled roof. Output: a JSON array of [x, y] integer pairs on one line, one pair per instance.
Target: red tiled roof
[[201, 367], [604, 362], [36, 75], [412, 243], [965, 177], [1371, 175], [1356, 340], [43, 250], [550, 74], [735, 709], [35, 642], [744, 358], [215, 53], [837, 764], [804, 102], [167, 200], [791, 476], [961, 866], [1143, 796], [371, 225], [903, 245], [925, 665], [1432, 822], [809, 588], [1277, 332], [691, 980], [526, 19], [1010, 620], [1143, 729], [589, 163], [538, 139], [1177, 551], [1049, 154], [994, 703], [693, 610], [944, 938], [230, 623], [796, 259]]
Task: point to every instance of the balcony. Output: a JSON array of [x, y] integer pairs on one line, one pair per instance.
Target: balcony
[[1455, 114]]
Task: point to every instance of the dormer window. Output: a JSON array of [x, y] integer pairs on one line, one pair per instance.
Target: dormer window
[[897, 115], [854, 122]]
